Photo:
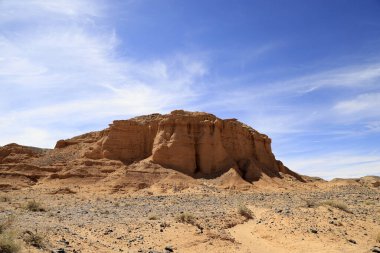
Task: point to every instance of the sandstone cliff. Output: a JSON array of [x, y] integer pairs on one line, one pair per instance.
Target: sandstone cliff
[[195, 143]]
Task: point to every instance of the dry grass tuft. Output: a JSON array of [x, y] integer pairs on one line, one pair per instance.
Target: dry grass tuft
[[310, 203], [5, 199], [8, 243], [337, 204], [34, 206], [5, 224], [65, 190], [245, 211], [34, 239], [333, 203], [221, 235], [186, 218], [153, 217]]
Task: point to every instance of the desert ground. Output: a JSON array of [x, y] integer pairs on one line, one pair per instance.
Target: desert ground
[[340, 216]]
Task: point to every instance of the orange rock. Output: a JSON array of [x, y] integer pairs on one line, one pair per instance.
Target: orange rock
[[194, 143]]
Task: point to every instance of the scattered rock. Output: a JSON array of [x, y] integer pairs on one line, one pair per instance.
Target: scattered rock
[[169, 249], [313, 230]]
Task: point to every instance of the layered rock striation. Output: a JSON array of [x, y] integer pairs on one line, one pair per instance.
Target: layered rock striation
[[194, 143]]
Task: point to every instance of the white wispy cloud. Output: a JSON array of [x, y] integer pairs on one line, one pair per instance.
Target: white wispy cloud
[[348, 164], [56, 74], [362, 75], [19, 10], [363, 105], [373, 126], [273, 107]]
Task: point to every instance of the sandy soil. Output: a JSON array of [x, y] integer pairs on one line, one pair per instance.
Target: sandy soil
[[325, 218]]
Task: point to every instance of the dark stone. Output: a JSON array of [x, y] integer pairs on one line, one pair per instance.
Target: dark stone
[[169, 249], [108, 231], [313, 230]]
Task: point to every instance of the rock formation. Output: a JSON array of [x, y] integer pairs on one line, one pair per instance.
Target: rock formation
[[195, 143], [14, 153]]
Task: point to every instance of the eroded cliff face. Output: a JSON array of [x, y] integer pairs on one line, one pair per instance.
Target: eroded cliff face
[[195, 143], [14, 153]]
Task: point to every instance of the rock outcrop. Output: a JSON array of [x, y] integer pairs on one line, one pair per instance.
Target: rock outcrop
[[194, 143], [14, 153]]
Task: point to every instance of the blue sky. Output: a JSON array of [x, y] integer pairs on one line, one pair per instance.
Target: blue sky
[[307, 73]]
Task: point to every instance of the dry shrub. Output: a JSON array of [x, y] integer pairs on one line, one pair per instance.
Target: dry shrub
[[153, 217], [5, 224], [337, 204], [220, 235], [65, 190], [245, 212], [34, 239], [8, 243], [310, 203], [34, 206], [5, 199], [186, 218]]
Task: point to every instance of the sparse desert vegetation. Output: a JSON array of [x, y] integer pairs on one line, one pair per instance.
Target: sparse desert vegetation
[[196, 221], [245, 211], [6, 223], [153, 217], [34, 206], [34, 239], [186, 218], [8, 243], [337, 204], [5, 198]]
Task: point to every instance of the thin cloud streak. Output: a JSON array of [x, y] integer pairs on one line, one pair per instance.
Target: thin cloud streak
[[362, 106], [340, 164], [72, 73]]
